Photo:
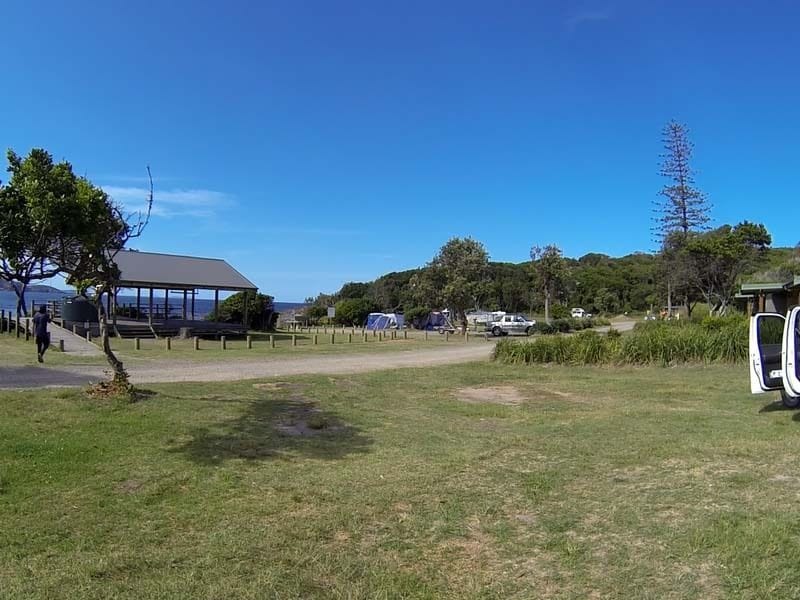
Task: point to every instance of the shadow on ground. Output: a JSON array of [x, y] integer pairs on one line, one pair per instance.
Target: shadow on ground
[[275, 427], [36, 377]]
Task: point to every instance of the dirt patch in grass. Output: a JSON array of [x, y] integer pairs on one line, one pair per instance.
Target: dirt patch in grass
[[506, 395], [129, 486], [304, 419], [272, 386]]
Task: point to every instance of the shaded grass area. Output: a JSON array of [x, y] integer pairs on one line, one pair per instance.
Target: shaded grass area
[[476, 481]]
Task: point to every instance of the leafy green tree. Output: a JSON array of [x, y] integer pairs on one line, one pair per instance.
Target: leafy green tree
[[260, 311], [100, 232], [39, 206], [551, 269], [720, 257], [354, 311], [456, 278]]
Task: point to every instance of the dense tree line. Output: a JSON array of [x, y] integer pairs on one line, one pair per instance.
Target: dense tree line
[[596, 282]]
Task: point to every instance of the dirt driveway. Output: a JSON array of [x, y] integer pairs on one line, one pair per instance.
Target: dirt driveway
[[175, 371]]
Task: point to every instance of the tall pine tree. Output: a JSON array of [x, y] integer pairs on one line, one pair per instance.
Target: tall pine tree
[[682, 207], [681, 210]]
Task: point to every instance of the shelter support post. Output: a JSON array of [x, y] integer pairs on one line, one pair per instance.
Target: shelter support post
[[244, 312], [150, 308], [216, 305], [166, 304], [138, 302], [194, 293], [184, 305]]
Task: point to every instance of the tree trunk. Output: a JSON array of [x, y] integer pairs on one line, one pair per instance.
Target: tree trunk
[[19, 290], [462, 314], [547, 306], [120, 375]]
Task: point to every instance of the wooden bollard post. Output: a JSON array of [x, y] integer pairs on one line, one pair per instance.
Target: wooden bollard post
[[324, 329], [349, 338], [196, 342], [249, 342], [168, 343], [380, 336], [316, 335], [222, 342], [27, 330], [88, 335], [294, 340], [271, 341], [137, 344], [2, 320], [446, 336], [466, 336], [74, 329], [426, 335], [363, 337], [405, 334], [61, 345], [333, 338], [16, 327]]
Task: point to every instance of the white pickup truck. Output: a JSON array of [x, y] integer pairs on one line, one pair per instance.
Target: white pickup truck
[[773, 355]]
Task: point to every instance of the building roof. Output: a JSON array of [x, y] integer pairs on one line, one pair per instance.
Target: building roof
[[175, 272], [751, 289]]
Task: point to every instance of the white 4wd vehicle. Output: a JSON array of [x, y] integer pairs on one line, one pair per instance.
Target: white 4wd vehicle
[[773, 355], [511, 324]]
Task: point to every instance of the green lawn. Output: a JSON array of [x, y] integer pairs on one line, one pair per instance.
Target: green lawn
[[476, 481]]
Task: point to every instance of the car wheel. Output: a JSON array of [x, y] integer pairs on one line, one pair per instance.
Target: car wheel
[[496, 331], [527, 331], [789, 401]]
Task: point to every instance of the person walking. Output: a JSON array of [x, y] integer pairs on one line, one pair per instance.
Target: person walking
[[40, 321]]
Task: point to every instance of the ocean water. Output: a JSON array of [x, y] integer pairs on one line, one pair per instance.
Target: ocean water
[[202, 306]]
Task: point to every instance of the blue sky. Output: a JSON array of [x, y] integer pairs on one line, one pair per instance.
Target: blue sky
[[313, 143]]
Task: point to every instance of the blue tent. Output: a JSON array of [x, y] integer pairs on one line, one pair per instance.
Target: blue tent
[[379, 321]]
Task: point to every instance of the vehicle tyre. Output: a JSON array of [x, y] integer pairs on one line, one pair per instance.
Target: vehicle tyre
[[496, 332], [527, 331], [789, 401]]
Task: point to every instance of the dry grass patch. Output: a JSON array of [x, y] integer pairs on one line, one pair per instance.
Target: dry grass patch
[[504, 394]]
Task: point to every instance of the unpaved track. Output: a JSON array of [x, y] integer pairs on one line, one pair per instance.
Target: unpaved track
[[173, 371]]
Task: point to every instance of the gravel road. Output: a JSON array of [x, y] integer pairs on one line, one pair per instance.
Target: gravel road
[[174, 371]]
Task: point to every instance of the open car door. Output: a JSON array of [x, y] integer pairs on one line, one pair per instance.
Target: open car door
[[791, 344], [765, 350]]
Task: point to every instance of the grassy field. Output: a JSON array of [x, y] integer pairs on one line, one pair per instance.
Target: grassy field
[[477, 481]]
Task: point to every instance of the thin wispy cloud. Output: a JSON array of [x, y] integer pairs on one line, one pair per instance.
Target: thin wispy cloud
[[586, 16], [198, 203]]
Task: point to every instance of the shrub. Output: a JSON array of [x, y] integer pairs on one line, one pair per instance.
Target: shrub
[[559, 311], [665, 343]]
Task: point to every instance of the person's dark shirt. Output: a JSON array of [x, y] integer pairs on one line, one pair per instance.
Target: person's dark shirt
[[40, 321]]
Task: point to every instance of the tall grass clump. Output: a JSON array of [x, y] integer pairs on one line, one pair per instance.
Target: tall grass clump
[[715, 339]]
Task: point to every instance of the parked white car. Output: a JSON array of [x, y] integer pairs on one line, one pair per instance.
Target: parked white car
[[508, 324], [577, 313], [774, 364]]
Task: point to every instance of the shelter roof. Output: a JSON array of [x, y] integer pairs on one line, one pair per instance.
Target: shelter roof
[[176, 272]]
